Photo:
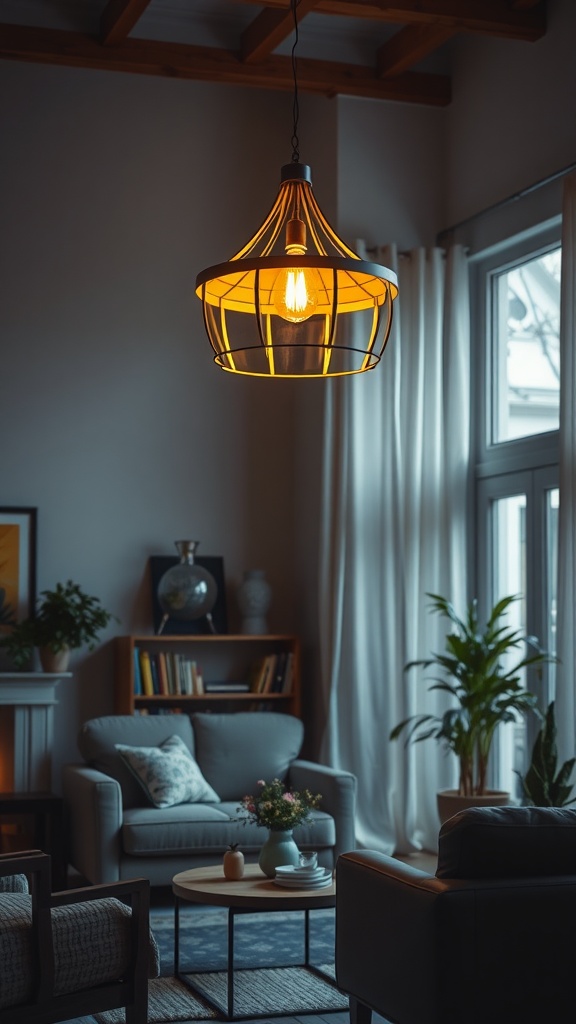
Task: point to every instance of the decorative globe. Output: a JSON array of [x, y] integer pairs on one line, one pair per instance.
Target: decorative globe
[[187, 591]]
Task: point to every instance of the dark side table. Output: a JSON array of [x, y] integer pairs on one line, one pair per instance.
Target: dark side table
[[47, 812]]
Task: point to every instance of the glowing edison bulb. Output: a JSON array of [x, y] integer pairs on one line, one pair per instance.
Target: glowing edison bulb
[[295, 290], [295, 295]]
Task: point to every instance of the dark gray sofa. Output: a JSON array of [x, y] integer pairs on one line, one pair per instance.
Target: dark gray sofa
[[114, 832]]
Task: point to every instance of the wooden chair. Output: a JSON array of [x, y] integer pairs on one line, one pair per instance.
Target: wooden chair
[[71, 953]]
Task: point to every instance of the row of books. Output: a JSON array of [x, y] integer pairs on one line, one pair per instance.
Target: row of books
[[166, 673], [272, 673]]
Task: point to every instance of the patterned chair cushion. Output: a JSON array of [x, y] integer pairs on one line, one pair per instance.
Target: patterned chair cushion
[[91, 946]]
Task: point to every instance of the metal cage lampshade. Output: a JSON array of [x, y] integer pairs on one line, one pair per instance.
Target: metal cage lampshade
[[296, 301]]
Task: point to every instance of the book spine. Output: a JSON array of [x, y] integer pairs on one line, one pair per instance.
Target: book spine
[[137, 673], [288, 674], [268, 675], [145, 669], [176, 669], [199, 680], [154, 671], [188, 679], [181, 675], [173, 675], [163, 673], [279, 672]]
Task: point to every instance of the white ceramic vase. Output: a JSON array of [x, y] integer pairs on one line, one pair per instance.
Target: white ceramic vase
[[254, 595]]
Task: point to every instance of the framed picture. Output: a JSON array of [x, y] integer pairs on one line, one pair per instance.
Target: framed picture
[[159, 564], [17, 562]]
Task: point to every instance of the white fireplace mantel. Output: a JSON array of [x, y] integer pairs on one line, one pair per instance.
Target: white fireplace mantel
[[32, 696]]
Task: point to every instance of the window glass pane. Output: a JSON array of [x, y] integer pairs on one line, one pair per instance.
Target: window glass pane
[[509, 535], [526, 363], [510, 577]]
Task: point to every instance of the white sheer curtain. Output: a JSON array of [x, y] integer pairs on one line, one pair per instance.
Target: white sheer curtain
[[394, 528], [565, 700]]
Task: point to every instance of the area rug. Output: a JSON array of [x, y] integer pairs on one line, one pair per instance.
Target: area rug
[[272, 990], [169, 1002], [267, 939], [268, 952]]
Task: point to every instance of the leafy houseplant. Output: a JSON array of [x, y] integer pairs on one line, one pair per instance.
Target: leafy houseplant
[[544, 784], [66, 618], [487, 693]]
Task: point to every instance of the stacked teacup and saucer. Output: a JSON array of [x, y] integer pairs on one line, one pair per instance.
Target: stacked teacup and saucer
[[305, 875]]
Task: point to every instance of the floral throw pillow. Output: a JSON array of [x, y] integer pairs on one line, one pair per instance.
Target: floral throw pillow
[[168, 774]]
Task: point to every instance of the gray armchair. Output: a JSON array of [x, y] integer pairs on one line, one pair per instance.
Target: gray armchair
[[490, 937], [71, 953], [115, 830]]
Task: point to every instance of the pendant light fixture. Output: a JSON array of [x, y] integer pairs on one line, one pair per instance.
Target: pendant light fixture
[[295, 301]]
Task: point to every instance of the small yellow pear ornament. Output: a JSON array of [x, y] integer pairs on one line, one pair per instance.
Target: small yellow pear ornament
[[233, 863]]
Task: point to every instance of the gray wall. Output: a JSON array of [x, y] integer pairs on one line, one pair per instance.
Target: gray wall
[[115, 190], [512, 119]]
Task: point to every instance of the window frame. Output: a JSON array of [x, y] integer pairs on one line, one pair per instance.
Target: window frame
[[528, 465]]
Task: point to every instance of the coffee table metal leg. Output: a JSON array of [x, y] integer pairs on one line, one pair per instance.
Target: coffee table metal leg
[[176, 936], [306, 937], [230, 963]]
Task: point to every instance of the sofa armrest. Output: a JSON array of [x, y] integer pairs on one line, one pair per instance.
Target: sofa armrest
[[93, 803], [338, 789], [386, 935]]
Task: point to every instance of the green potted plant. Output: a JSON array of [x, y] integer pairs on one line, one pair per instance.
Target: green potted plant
[[544, 784], [66, 618], [487, 692]]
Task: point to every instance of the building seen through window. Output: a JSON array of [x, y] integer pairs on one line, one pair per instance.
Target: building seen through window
[[527, 339]]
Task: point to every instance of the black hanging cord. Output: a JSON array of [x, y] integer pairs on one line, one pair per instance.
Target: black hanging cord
[[295, 105]]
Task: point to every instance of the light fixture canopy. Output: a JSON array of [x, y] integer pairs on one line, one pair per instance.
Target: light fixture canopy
[[296, 301]]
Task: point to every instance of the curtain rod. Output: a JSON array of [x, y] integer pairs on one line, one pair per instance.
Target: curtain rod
[[510, 199]]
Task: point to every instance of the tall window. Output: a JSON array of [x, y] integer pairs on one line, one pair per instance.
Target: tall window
[[516, 294]]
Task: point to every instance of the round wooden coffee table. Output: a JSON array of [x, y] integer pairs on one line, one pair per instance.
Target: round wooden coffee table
[[254, 893]]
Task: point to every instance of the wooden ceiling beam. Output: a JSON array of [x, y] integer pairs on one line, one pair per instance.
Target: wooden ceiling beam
[[410, 45], [269, 29], [118, 19], [487, 17], [176, 60]]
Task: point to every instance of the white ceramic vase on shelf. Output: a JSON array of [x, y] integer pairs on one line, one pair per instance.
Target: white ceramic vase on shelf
[[254, 596]]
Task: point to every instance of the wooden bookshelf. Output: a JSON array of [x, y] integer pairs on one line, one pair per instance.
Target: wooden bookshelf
[[224, 659]]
